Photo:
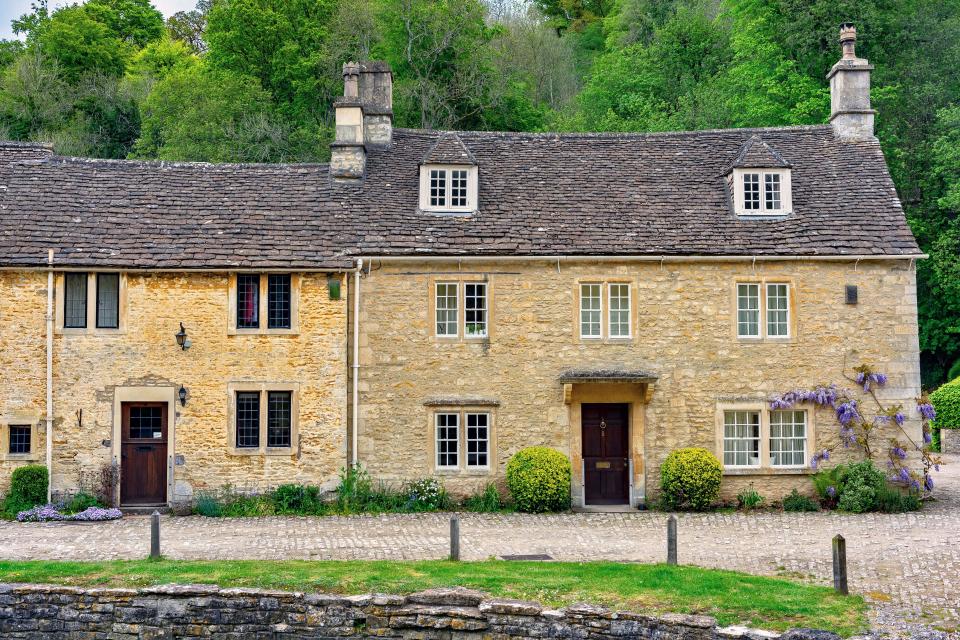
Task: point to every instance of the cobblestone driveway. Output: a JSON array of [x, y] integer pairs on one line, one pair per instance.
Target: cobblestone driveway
[[908, 564]]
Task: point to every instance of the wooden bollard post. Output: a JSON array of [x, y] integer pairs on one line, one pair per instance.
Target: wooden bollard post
[[155, 535], [840, 565], [455, 538], [672, 540]]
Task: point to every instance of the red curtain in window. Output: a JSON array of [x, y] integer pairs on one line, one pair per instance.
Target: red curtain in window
[[248, 301]]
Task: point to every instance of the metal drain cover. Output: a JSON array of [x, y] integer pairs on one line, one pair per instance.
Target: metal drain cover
[[527, 556]]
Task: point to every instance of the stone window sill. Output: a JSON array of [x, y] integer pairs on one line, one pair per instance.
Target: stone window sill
[[20, 457], [284, 452], [769, 471]]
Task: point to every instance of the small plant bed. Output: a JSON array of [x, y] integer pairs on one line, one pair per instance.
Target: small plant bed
[[731, 597], [355, 494]]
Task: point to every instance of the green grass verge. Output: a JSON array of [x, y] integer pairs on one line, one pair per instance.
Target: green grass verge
[[733, 598]]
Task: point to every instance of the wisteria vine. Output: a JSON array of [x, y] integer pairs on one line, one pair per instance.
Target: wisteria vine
[[857, 427]]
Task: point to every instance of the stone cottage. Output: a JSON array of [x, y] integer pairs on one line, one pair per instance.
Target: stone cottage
[[430, 302]]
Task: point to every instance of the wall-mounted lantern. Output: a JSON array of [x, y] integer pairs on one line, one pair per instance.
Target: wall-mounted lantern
[[182, 394], [182, 340]]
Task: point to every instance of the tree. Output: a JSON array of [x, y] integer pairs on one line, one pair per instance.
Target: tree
[[189, 26], [34, 97], [136, 22], [80, 44], [201, 113]]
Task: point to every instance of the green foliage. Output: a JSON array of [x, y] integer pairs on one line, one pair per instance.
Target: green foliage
[[230, 503], [852, 487], [797, 502], [296, 499], [487, 501], [28, 488], [539, 480], [893, 500], [690, 478], [749, 499], [207, 504], [355, 489], [946, 400], [81, 44], [81, 502]]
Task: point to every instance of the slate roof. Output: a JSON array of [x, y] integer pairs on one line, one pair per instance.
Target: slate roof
[[449, 149], [539, 194], [757, 154]]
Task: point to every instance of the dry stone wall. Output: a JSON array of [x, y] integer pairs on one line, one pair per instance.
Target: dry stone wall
[[172, 611]]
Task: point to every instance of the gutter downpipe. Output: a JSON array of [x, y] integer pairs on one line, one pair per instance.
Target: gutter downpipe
[[354, 456], [49, 435]]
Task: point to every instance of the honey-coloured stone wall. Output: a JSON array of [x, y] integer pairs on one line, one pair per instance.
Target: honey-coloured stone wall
[[683, 333], [93, 370]]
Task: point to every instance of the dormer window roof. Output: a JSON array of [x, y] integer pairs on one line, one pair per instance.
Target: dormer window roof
[[448, 177], [761, 181]]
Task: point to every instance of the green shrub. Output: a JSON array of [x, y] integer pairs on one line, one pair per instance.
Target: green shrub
[[426, 494], [354, 491], [749, 499], [861, 488], [946, 401], [207, 504], [539, 480], [893, 500], [690, 478], [297, 499], [796, 501], [487, 501], [828, 483], [954, 371], [28, 488], [81, 502]]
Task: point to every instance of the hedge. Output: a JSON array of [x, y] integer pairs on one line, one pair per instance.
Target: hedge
[[946, 401]]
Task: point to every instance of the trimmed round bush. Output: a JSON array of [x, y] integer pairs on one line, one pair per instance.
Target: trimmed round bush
[[690, 479], [539, 480], [28, 488], [946, 401], [862, 487]]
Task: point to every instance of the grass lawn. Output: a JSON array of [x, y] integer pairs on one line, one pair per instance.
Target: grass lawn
[[733, 598]]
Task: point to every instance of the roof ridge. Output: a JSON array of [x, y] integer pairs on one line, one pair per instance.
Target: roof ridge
[[613, 135], [54, 159]]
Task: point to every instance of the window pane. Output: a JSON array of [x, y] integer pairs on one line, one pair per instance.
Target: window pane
[[772, 191], [248, 301], [751, 191], [475, 309], [278, 301], [788, 438], [146, 422], [446, 309], [741, 438], [619, 310], [590, 310], [748, 310], [19, 439], [279, 404], [448, 439], [108, 300], [438, 188], [778, 310], [458, 188], [75, 300], [248, 419], [478, 439]]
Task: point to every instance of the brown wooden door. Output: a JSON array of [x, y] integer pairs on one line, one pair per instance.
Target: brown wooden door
[[606, 447], [143, 452]]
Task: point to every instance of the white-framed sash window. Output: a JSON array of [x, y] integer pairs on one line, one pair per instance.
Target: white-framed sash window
[[591, 312], [448, 440], [446, 298], [741, 438]]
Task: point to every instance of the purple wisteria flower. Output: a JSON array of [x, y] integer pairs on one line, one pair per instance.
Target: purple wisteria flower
[[847, 413], [898, 452], [832, 491], [902, 476], [928, 482], [927, 411], [927, 437], [819, 457]]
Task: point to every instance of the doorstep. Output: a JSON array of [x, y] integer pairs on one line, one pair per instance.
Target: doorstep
[[606, 508], [143, 509]]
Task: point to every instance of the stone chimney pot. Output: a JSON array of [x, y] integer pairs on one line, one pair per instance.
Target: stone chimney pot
[[850, 112]]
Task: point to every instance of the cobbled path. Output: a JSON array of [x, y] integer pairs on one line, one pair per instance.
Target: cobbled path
[[907, 565]]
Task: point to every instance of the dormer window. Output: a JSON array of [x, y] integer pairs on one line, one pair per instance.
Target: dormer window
[[762, 192], [448, 177], [448, 188]]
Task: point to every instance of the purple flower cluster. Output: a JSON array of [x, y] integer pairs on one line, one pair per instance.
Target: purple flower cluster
[[902, 475], [927, 411], [897, 451], [832, 491], [866, 378], [49, 513], [41, 513], [821, 395], [928, 482], [847, 413], [96, 514], [819, 457]]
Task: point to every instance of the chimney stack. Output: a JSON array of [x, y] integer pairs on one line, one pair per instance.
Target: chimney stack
[[364, 118], [850, 112]]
